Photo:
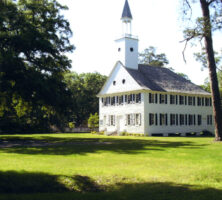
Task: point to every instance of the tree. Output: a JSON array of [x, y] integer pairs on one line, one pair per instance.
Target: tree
[[84, 88], [150, 57], [34, 37], [208, 22], [93, 121]]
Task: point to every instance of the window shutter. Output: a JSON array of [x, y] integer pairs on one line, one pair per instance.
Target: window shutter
[[140, 120], [160, 119], [149, 97], [160, 98], [156, 119], [177, 119], [166, 118], [165, 98], [150, 118], [185, 100], [176, 99], [156, 98], [194, 119], [194, 101]]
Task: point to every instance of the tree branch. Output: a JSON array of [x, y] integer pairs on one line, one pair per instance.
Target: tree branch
[[210, 2]]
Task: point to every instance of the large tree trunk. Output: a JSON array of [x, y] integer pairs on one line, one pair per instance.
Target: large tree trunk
[[212, 70]]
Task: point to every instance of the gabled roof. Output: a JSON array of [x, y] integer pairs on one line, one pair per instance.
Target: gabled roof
[[163, 79], [126, 11]]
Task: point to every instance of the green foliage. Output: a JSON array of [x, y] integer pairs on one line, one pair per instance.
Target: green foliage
[[150, 57], [34, 37], [93, 121], [184, 76], [84, 88]]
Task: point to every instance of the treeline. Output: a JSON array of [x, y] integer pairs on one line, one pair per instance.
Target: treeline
[[71, 103]]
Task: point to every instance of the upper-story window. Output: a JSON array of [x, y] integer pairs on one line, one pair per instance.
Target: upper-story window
[[190, 101], [119, 49], [114, 82], [123, 81], [181, 99], [163, 98], [199, 101], [138, 98], [131, 49], [172, 99]]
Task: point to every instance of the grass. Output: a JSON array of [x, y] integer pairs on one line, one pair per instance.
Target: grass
[[85, 166]]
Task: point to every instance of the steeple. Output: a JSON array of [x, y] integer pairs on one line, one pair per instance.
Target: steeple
[[126, 19], [126, 15], [127, 45]]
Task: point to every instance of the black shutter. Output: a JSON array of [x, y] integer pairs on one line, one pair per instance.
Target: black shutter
[[160, 98], [160, 119], [177, 119], [176, 99], [149, 97], [156, 119], [194, 119], [166, 118], [165, 98], [194, 101], [150, 118], [156, 98], [185, 100]]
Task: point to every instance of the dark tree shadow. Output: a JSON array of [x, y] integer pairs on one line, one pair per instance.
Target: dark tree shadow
[[30, 186], [66, 146]]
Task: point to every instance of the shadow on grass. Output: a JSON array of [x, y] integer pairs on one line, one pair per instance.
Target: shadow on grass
[[67, 146], [28, 186]]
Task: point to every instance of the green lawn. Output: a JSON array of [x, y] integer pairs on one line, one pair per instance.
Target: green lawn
[[85, 166]]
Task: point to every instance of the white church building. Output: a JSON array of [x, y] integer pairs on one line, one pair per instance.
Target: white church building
[[150, 100]]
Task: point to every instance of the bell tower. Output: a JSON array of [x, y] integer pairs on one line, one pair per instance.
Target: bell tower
[[127, 44]]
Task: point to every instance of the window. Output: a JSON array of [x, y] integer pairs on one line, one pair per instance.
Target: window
[[112, 120], [151, 98], [172, 119], [119, 49], [101, 122], [209, 120], [138, 98], [202, 101], [121, 100], [207, 101], [138, 119], [190, 118], [190, 101], [151, 118], [133, 119], [182, 119], [123, 81], [199, 120], [172, 99], [163, 119], [114, 82], [163, 98], [131, 49], [181, 99], [113, 101]]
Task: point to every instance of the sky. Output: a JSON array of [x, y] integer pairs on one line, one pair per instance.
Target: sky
[[96, 24]]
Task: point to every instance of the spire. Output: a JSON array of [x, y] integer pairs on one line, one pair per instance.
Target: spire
[[126, 12]]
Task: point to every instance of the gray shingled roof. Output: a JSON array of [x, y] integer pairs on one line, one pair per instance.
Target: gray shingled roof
[[126, 11], [163, 79]]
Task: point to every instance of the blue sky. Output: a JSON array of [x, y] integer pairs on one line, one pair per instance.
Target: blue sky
[[96, 24]]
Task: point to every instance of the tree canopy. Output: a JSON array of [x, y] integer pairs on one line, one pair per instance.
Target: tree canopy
[[150, 57], [34, 38]]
